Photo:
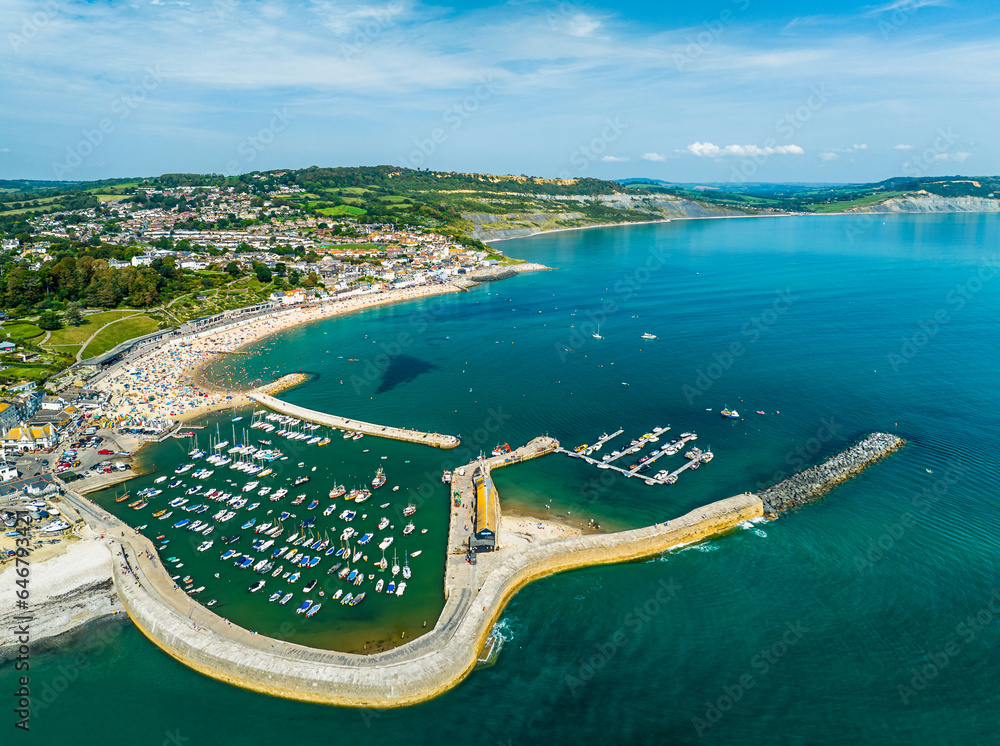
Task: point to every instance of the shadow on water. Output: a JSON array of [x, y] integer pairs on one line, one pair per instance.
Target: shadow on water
[[403, 369]]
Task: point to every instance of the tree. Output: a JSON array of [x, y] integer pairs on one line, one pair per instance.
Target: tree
[[49, 321], [263, 273], [73, 315], [233, 269]]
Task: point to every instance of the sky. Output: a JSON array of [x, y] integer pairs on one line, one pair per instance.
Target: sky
[[715, 91]]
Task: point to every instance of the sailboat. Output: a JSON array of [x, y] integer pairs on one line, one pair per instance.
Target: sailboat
[[395, 564], [597, 334], [406, 568]]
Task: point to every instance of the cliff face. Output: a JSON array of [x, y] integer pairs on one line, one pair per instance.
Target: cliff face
[[577, 211], [927, 202]]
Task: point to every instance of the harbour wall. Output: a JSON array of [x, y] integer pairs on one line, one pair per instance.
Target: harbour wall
[[414, 672], [343, 423], [809, 484]]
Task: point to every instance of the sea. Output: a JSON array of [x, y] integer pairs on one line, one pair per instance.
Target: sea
[[869, 616]]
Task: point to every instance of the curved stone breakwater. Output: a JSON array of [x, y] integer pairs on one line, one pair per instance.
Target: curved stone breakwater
[[414, 672], [811, 483]]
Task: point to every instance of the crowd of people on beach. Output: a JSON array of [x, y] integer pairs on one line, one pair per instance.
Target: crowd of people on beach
[[163, 386]]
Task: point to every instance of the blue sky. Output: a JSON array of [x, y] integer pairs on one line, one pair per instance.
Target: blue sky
[[728, 90]]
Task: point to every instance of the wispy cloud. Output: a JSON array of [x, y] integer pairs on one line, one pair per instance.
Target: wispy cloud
[[707, 149], [614, 159], [902, 146], [655, 157]]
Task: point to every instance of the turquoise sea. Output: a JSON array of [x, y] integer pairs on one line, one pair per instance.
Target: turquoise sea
[[872, 616]]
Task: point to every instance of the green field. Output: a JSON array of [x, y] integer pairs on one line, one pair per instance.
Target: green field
[[117, 333], [22, 330], [77, 335], [17, 372], [342, 210]]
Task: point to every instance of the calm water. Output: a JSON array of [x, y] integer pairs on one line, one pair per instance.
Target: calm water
[[865, 617]]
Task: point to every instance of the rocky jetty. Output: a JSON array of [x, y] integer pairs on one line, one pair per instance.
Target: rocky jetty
[[810, 483]]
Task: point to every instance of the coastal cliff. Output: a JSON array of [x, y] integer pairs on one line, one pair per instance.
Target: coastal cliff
[[580, 211], [926, 202]]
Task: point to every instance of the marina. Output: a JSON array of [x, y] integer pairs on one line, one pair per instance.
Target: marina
[[696, 457]]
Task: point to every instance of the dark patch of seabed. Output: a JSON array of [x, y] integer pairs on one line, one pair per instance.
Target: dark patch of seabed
[[403, 369]]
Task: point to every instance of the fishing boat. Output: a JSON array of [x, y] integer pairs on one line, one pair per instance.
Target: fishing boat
[[357, 599], [385, 543], [362, 495], [409, 529], [182, 523], [313, 505], [379, 585], [357, 436], [285, 599], [346, 599], [647, 335], [274, 596], [383, 522], [308, 587], [313, 610], [500, 450], [337, 491], [257, 586], [205, 545], [401, 588], [227, 554], [300, 480], [249, 523], [304, 607], [344, 573], [294, 577], [159, 480], [409, 510], [366, 538], [391, 588], [379, 479]]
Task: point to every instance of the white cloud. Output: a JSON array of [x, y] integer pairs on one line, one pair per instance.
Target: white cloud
[[707, 149], [902, 147], [655, 157], [614, 159], [828, 156], [959, 156], [907, 6]]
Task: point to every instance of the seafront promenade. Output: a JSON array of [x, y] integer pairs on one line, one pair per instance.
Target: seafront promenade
[[343, 423]]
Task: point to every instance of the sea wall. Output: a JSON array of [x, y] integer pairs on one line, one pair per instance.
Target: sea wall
[[416, 671], [811, 483]]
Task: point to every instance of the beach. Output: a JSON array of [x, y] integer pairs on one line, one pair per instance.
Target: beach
[[166, 385]]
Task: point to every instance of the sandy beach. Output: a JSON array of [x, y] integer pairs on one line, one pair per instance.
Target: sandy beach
[[164, 386]]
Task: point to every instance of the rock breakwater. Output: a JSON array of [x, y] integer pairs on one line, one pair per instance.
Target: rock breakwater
[[810, 483]]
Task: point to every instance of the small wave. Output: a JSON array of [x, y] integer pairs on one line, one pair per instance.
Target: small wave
[[504, 628], [760, 532]]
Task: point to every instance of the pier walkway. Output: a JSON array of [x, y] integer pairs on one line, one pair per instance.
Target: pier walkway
[[343, 423]]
